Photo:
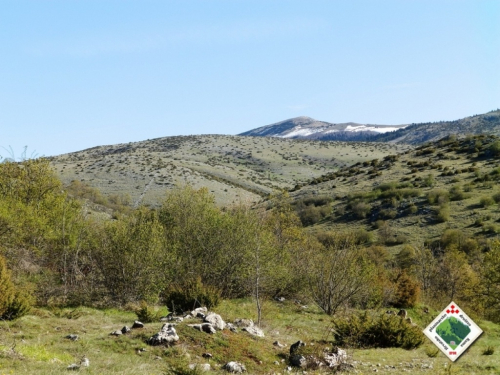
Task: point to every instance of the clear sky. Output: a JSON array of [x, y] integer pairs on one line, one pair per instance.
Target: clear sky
[[80, 73]]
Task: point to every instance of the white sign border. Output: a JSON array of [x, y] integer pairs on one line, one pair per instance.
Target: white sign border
[[474, 333]]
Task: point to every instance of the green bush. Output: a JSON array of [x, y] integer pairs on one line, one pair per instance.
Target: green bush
[[438, 196], [13, 303], [486, 201], [443, 214], [190, 295], [149, 314], [383, 331]]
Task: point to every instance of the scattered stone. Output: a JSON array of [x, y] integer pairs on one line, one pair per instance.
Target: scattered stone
[[243, 323], [71, 337], [390, 312], [200, 312], [125, 330], [336, 357], [141, 350], [408, 320], [254, 331], [207, 355], [276, 363], [279, 299], [403, 313], [426, 310], [204, 367], [298, 360], [116, 333], [157, 357], [137, 324], [73, 367], [85, 362], [295, 347], [234, 367], [166, 336], [204, 327], [231, 327], [278, 344], [215, 320]]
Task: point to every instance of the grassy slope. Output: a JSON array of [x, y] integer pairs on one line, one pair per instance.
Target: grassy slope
[[235, 169], [35, 344], [443, 162]]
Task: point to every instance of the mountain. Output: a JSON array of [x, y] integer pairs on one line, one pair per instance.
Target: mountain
[[308, 128], [416, 133], [235, 169]]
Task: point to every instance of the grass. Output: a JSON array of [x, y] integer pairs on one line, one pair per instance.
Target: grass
[[35, 344], [236, 169]]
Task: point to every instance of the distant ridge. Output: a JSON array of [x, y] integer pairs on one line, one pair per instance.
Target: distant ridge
[[308, 128], [304, 127]]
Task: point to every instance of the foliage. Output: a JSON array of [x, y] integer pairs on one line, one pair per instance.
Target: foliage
[[190, 295], [13, 303], [341, 273], [407, 291], [148, 314], [364, 330]]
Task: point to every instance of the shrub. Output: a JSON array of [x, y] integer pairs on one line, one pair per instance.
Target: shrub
[[486, 201], [383, 331], [360, 209], [190, 295], [437, 196], [443, 214], [148, 314], [489, 350], [13, 303], [407, 291], [496, 197]]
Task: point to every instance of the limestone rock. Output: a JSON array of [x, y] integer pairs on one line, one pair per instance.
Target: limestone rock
[[203, 367], [137, 324], [116, 333], [295, 347], [254, 331], [71, 337], [166, 336], [298, 360], [125, 330], [243, 323], [234, 367], [204, 327], [215, 320]]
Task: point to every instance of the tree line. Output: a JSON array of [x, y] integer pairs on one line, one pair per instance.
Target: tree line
[[54, 251]]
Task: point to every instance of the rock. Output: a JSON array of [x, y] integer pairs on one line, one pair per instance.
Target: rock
[[279, 344], [390, 312], [207, 355], [298, 360], [276, 363], [231, 327], [71, 337], [426, 310], [166, 336], [116, 333], [295, 347], [215, 320], [336, 357], [402, 313], [137, 324], [200, 312], [234, 367], [85, 362], [408, 320], [125, 330], [243, 323], [204, 327], [203, 367], [73, 367], [254, 331], [279, 299]]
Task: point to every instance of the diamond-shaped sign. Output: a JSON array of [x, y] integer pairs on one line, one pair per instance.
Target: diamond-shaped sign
[[452, 331]]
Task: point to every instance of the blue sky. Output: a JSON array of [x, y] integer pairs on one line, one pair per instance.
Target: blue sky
[[80, 73]]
